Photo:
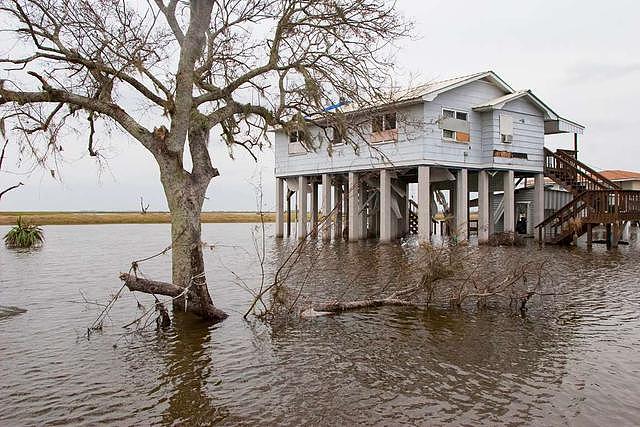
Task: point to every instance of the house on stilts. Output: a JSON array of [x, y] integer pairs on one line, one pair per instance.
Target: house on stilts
[[469, 149]]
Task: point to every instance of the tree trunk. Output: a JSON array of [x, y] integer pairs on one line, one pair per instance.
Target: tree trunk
[[185, 196]]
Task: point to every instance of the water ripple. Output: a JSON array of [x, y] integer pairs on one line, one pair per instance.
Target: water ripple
[[573, 360]]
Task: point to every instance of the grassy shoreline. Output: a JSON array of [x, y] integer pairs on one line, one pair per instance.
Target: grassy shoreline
[[85, 218]]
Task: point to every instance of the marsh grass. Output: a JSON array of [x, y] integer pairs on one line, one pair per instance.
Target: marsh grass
[[82, 218]]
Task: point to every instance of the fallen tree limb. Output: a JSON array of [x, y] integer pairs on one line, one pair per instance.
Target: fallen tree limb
[[336, 307], [193, 301], [147, 286]]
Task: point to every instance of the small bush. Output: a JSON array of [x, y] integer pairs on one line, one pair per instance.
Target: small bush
[[24, 235]]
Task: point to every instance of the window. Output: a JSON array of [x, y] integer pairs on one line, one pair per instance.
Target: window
[[384, 122], [453, 114], [336, 137], [384, 128], [296, 136], [296, 142], [455, 125]]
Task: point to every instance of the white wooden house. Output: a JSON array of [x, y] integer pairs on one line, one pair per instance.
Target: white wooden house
[[470, 134]]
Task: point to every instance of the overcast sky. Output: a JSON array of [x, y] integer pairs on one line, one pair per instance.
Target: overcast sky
[[580, 57]]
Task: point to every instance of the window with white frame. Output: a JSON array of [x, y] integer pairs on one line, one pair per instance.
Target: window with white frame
[[455, 125]]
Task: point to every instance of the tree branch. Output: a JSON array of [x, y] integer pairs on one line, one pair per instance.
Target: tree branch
[[2, 193], [139, 284], [169, 13], [95, 66], [190, 51], [53, 95], [4, 147]]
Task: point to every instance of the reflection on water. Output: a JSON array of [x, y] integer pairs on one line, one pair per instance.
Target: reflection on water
[[189, 372], [572, 360]]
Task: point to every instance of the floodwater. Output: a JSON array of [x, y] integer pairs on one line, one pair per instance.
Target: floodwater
[[573, 360]]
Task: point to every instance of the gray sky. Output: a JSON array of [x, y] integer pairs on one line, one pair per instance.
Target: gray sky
[[580, 57]]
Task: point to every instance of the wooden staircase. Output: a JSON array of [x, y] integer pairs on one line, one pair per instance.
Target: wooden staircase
[[596, 200], [573, 175]]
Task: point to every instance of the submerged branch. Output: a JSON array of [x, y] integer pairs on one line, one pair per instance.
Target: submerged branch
[[342, 306], [147, 286]]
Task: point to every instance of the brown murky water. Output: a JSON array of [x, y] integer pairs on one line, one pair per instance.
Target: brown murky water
[[574, 360]]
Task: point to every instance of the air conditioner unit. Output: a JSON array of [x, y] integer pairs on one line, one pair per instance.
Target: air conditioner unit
[[507, 139]]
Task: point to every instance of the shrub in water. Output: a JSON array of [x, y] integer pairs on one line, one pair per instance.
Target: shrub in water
[[24, 235]]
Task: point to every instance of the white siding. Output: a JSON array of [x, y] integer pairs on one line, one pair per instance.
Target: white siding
[[407, 151], [528, 136], [438, 151], [420, 139]]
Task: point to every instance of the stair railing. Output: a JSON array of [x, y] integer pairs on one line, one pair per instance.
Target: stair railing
[[595, 207], [585, 169], [573, 175], [559, 222]]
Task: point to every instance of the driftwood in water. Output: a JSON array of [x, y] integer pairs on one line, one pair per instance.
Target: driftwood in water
[[192, 300], [326, 309], [338, 307]]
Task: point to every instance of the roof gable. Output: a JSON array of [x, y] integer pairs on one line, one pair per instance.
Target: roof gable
[[430, 91], [499, 103]]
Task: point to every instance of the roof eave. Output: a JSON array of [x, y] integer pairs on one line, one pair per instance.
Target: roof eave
[[562, 125]]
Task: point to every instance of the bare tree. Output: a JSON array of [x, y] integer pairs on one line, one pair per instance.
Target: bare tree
[[143, 208], [231, 67], [2, 158]]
